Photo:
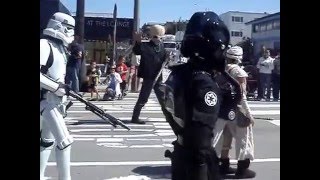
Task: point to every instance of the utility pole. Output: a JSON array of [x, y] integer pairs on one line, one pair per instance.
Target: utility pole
[[114, 54], [79, 33], [136, 22], [80, 21]]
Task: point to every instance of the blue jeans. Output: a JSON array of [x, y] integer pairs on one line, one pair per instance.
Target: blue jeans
[[265, 83], [72, 79]]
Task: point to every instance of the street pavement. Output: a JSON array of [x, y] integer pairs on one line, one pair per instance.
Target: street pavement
[[101, 152]]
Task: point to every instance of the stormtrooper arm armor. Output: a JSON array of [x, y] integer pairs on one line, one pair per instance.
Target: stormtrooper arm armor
[[45, 81], [48, 84]]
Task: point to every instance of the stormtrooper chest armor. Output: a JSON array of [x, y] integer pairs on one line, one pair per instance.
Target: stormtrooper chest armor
[[58, 69]]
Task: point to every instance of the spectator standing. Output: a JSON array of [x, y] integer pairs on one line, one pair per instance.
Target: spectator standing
[[276, 78], [122, 69], [92, 73], [73, 67], [265, 66]]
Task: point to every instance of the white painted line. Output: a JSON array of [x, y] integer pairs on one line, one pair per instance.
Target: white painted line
[[269, 112], [156, 119], [168, 145], [123, 102], [122, 107], [163, 131], [131, 106], [131, 177], [89, 130], [72, 118], [133, 130], [163, 127], [110, 140], [142, 139], [160, 124], [112, 145], [107, 125], [264, 105], [165, 134], [135, 135], [121, 111], [83, 139], [45, 178], [146, 146], [275, 122], [169, 140], [109, 130], [254, 112], [136, 163], [129, 103], [89, 136], [154, 106]]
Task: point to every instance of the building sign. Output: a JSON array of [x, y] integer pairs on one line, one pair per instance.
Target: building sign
[[99, 28]]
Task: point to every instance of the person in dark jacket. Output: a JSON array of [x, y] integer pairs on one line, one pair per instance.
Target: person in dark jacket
[[153, 55], [73, 67]]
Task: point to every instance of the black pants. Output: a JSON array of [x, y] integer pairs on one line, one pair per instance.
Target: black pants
[[196, 159], [144, 94], [123, 86], [275, 85]]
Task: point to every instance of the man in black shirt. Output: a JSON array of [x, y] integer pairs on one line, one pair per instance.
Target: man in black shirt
[[153, 55]]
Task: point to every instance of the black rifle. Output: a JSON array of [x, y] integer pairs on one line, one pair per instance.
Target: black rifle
[[99, 112], [162, 68], [264, 118]]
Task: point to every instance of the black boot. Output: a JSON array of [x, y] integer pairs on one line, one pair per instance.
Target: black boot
[[225, 168], [242, 171], [136, 113], [137, 121]]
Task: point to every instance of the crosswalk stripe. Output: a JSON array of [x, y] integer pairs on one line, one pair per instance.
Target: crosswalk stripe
[[157, 133], [254, 112]]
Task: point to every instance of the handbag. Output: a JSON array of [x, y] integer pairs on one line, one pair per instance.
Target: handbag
[[242, 119]]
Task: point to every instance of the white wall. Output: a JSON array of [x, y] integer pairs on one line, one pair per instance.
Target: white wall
[[240, 26]]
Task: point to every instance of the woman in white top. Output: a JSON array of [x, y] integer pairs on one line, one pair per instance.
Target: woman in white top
[[113, 81], [228, 129]]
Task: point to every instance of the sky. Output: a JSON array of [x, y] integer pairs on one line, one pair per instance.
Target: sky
[[162, 11]]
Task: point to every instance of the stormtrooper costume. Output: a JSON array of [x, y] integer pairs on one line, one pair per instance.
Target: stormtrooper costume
[[53, 59], [243, 135]]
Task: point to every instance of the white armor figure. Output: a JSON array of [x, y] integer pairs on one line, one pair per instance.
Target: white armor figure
[[58, 35]]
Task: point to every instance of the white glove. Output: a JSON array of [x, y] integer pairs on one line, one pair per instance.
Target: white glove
[[62, 90]]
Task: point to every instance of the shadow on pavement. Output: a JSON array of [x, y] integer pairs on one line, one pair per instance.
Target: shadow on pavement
[[154, 172]]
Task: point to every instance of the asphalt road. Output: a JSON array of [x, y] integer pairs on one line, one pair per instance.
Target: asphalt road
[[101, 152]]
